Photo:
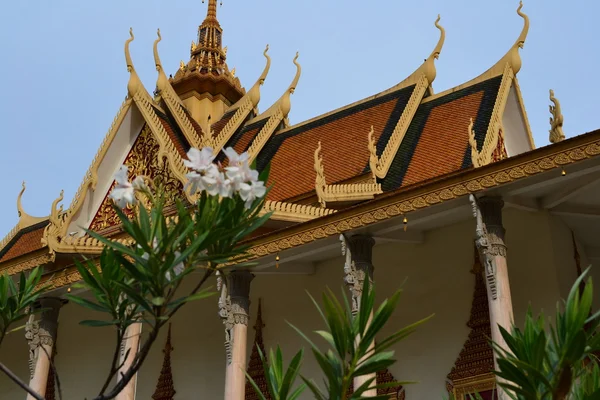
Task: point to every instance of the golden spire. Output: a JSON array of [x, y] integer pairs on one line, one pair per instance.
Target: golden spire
[[428, 67], [211, 13]]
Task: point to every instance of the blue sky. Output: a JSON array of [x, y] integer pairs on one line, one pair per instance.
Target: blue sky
[[64, 74]]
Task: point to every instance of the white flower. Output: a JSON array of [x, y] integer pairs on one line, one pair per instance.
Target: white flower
[[238, 170], [199, 160], [251, 191], [124, 192]]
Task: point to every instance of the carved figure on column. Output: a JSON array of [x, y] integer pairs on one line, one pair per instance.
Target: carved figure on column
[[226, 314], [37, 336], [490, 236], [32, 329], [356, 248]]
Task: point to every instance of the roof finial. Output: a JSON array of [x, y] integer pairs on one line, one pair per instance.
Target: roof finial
[[19, 205], [512, 57], [134, 84], [25, 219], [254, 92], [212, 9], [556, 120], [284, 103], [156, 56], [429, 65]]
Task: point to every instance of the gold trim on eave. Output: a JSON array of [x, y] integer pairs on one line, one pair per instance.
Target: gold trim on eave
[[243, 107], [347, 192], [173, 102]]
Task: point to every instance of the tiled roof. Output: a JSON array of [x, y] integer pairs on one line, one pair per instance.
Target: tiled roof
[[218, 126], [436, 142], [243, 138], [25, 241], [343, 135], [181, 144]]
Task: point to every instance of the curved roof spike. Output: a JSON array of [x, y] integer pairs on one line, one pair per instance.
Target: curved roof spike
[[294, 83], [25, 219], [19, 205], [438, 48], [284, 103], [155, 48], [134, 85], [127, 53], [521, 40], [254, 92], [428, 67], [512, 57]]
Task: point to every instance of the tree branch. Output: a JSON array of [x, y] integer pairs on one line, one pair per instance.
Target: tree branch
[[113, 369], [19, 382], [145, 349]]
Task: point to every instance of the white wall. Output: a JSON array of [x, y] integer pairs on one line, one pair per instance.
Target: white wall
[[438, 281]]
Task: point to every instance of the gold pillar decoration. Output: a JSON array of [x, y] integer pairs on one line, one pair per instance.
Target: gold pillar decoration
[[165, 389], [556, 120], [255, 366], [475, 363]]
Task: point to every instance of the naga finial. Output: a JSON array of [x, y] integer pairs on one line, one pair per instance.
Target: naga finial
[[127, 53], [512, 57], [19, 205], [438, 48], [254, 92], [428, 67], [556, 120], [294, 83], [156, 56], [135, 84], [284, 104]]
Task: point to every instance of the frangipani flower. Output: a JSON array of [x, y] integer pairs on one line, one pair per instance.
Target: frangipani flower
[[124, 192], [199, 160], [251, 191], [237, 177]]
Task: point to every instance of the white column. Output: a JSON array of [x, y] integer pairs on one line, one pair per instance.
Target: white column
[[358, 250], [492, 252], [129, 349], [41, 336], [234, 306]]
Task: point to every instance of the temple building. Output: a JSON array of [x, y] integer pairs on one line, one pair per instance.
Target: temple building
[[445, 190]]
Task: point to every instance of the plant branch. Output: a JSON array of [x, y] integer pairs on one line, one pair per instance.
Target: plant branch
[[113, 368], [145, 349], [19, 382]]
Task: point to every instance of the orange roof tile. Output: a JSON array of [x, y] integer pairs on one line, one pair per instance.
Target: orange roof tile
[[447, 129], [344, 142], [436, 142], [25, 241], [175, 135]]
